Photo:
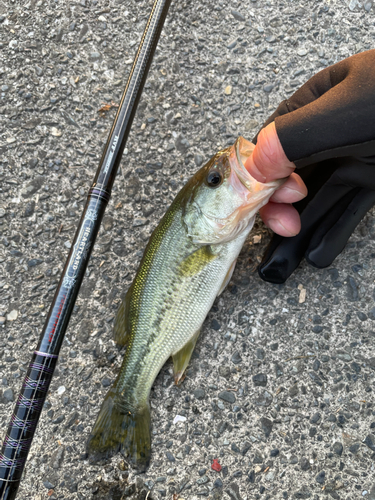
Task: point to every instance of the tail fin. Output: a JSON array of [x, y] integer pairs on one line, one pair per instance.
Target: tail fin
[[119, 429]]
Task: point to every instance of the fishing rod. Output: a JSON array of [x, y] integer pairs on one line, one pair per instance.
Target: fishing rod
[[28, 408]]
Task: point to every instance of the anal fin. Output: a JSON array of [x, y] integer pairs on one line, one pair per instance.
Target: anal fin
[[182, 357], [227, 277]]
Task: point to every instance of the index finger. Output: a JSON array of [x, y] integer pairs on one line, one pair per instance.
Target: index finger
[[268, 161]]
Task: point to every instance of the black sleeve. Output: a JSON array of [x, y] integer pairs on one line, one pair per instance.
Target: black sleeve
[[332, 114]]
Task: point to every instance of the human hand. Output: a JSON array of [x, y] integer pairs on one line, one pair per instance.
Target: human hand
[[267, 163], [326, 129]]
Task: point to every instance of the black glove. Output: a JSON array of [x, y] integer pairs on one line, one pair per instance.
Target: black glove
[[327, 128]]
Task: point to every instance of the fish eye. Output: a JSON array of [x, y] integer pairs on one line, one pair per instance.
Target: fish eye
[[214, 179]]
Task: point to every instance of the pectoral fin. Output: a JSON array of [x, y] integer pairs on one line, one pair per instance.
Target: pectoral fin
[[182, 357], [227, 277], [121, 329], [197, 261]]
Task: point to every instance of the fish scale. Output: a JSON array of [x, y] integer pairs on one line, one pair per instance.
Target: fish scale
[[176, 316], [189, 259]]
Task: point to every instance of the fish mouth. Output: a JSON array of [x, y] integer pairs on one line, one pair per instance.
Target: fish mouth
[[241, 151], [251, 195], [254, 194]]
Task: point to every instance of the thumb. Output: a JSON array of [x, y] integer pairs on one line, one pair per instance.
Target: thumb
[[268, 161]]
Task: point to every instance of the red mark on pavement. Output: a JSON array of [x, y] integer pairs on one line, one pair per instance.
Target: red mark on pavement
[[215, 465]]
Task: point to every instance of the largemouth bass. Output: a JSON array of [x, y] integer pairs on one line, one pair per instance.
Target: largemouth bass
[[187, 263]]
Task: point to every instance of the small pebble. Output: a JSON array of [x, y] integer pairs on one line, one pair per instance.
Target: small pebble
[[236, 358], [202, 480], [338, 448], [198, 159], [260, 353], [370, 442], [179, 418], [227, 396], [267, 88], [106, 382], [238, 16], [59, 419], [354, 448], [218, 483], [8, 394], [260, 380], [266, 425], [320, 478], [94, 56], [199, 393], [304, 464], [48, 485], [56, 132], [315, 418], [170, 456], [13, 315], [182, 144]]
